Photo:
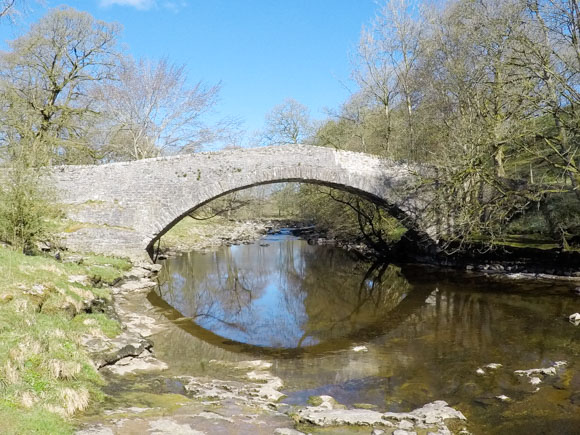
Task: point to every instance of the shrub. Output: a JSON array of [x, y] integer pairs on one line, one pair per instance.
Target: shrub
[[24, 209]]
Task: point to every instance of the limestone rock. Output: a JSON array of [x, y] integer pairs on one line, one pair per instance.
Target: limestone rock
[[145, 362], [431, 415], [334, 417], [95, 430], [141, 285], [262, 394], [268, 390], [170, 427], [105, 351], [493, 366]]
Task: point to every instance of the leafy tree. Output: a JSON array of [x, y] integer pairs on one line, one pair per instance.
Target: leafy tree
[[485, 91], [45, 79]]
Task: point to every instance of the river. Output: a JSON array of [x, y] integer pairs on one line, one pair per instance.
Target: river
[[382, 336]]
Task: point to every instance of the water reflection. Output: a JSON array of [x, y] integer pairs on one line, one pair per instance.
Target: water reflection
[[282, 295], [426, 330]]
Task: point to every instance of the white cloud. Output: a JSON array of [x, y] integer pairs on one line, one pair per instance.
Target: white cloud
[[138, 4], [175, 6]]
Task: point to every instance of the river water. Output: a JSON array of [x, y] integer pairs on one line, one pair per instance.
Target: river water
[[380, 336]]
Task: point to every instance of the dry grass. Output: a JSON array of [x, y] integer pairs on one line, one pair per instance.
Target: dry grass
[[45, 374], [74, 400], [28, 399], [9, 373], [59, 369]]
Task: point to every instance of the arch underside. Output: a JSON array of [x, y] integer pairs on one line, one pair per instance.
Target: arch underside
[[392, 209]]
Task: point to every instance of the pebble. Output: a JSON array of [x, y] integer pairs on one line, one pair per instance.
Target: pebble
[[493, 366]]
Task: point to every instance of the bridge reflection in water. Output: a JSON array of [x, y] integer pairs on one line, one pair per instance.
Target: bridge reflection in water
[[284, 296], [427, 331]]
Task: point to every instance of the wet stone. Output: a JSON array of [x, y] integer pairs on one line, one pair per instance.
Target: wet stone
[[575, 398], [97, 430], [145, 362], [170, 427]]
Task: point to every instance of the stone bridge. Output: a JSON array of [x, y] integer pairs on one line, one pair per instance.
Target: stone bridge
[[123, 208]]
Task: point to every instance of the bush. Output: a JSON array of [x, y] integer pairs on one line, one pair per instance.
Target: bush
[[558, 215], [24, 209]]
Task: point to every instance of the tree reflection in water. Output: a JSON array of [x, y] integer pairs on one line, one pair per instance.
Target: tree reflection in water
[[426, 331], [285, 295]]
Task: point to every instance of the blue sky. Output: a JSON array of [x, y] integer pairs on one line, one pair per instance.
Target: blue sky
[[262, 51]]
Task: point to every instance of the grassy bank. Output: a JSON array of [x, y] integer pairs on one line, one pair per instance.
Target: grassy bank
[[190, 234], [46, 307]]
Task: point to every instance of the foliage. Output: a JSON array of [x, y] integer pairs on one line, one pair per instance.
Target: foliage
[[24, 209], [44, 80], [347, 216], [486, 92], [68, 96]]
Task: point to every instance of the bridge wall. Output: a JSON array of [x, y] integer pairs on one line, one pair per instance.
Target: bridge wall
[[122, 208]]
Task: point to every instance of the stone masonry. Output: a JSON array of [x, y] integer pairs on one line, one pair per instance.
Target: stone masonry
[[123, 208]]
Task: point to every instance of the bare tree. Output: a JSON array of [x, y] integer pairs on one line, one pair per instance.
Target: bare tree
[[288, 122], [387, 55], [150, 110], [549, 52], [6, 7], [10, 10]]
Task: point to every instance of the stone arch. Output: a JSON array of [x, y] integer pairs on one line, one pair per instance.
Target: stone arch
[[125, 207], [393, 209]]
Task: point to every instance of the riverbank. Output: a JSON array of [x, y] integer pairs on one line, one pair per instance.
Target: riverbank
[[472, 362], [47, 307], [202, 235]]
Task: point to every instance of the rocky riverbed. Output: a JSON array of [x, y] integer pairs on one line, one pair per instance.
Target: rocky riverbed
[[149, 395], [150, 391]]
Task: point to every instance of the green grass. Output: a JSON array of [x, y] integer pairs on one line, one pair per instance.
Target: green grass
[[16, 421], [45, 373]]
